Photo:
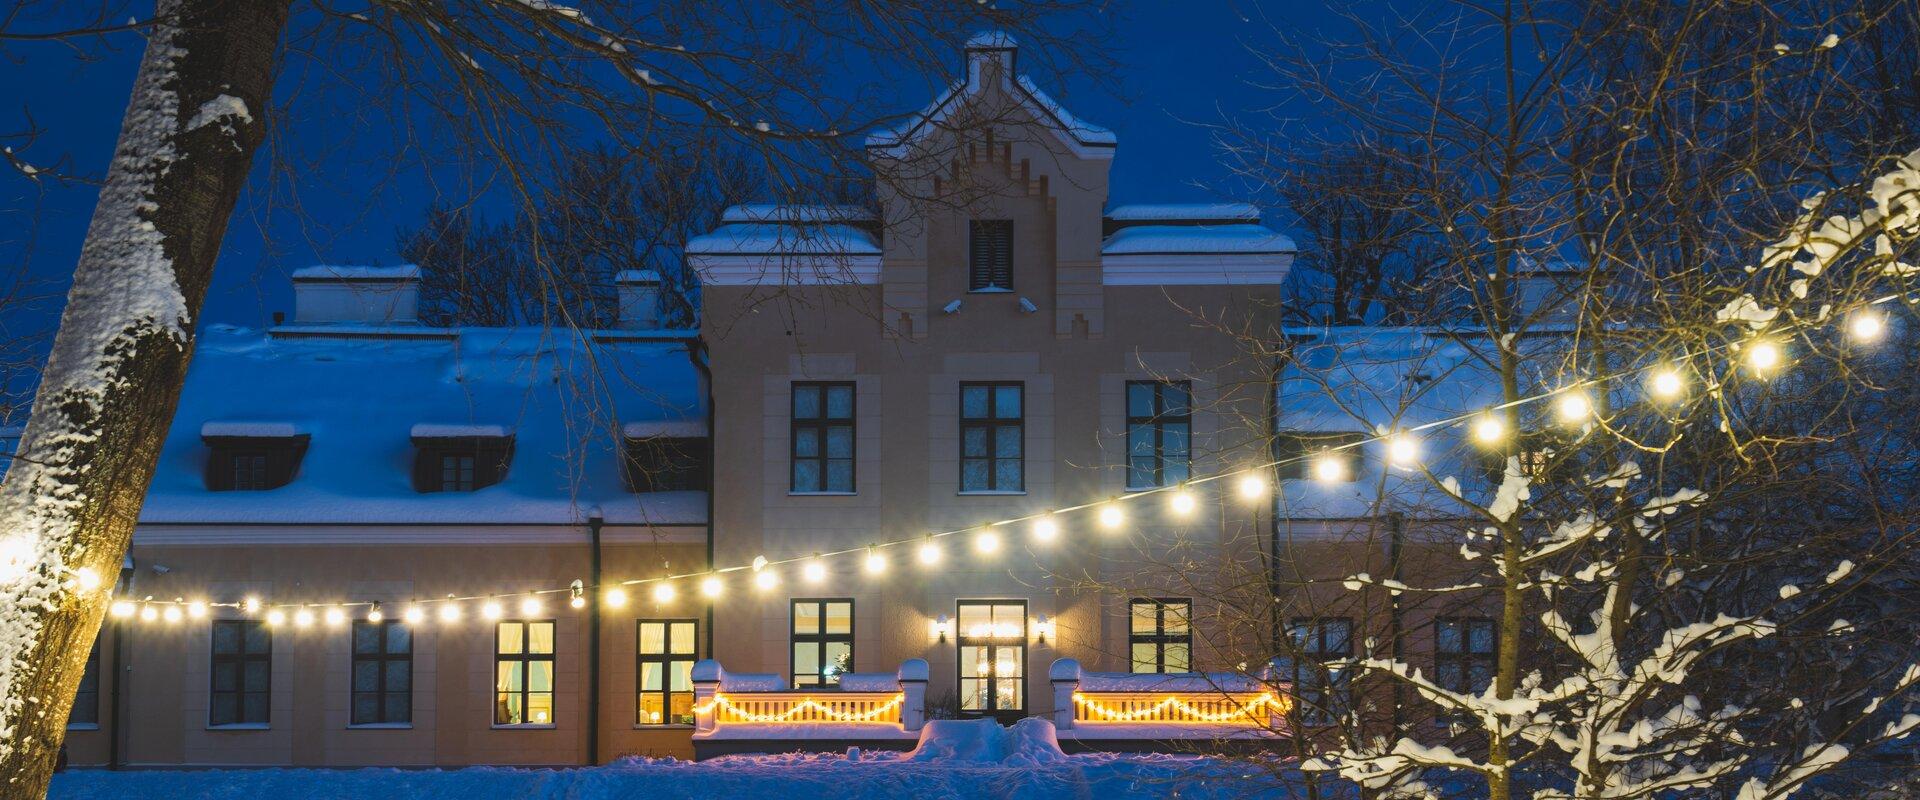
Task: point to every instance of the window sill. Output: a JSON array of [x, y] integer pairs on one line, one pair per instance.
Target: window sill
[[381, 726], [241, 726], [84, 726], [528, 726], [662, 727], [992, 290], [992, 493], [823, 494]]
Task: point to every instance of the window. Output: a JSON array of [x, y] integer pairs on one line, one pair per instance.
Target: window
[[822, 641], [242, 670], [86, 701], [249, 470], [992, 646], [1297, 450], [822, 437], [456, 473], [667, 650], [1323, 688], [666, 464], [1159, 433], [460, 463], [252, 463], [990, 255], [523, 670], [382, 673], [1161, 635], [1463, 653], [992, 438], [1535, 451]]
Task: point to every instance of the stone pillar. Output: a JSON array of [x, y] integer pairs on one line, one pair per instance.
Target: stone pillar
[[913, 685], [1065, 675], [707, 675]]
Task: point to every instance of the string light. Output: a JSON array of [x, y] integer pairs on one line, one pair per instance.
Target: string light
[[449, 612], [1403, 450], [414, 615], [1573, 406], [1488, 429], [1045, 530], [765, 579], [929, 552], [1667, 383], [1763, 356], [1111, 515], [530, 606], [197, 609], [1866, 327], [812, 709], [172, 614], [711, 586], [1187, 711], [122, 609], [251, 605], [1182, 502], [815, 570], [986, 542], [374, 615], [302, 618], [1252, 486], [615, 597], [491, 610], [577, 594], [276, 618], [664, 592], [1329, 467], [335, 617], [876, 563]]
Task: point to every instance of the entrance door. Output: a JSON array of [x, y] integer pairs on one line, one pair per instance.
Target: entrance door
[[992, 639]]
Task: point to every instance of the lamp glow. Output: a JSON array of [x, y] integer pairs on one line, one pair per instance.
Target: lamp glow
[[197, 609], [1667, 384], [375, 615], [929, 552], [711, 586], [577, 601], [276, 617], [1045, 529], [491, 610], [414, 615], [1488, 429], [1329, 467], [148, 613], [1403, 450], [1763, 357], [765, 579], [302, 618], [1573, 407], [122, 609], [815, 570], [1182, 502], [986, 542], [615, 597], [449, 613], [664, 592], [1866, 327], [530, 606], [1111, 516], [876, 563], [335, 616], [1252, 486], [250, 605], [172, 614]]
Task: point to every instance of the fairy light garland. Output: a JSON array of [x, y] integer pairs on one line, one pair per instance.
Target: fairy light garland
[[1761, 354], [720, 701], [1242, 712]]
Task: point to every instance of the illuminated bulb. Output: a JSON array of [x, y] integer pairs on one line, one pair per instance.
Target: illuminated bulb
[[1488, 429], [250, 605], [449, 613], [1666, 384], [414, 615], [122, 609], [711, 586], [1252, 486], [374, 615], [335, 617], [1573, 407], [986, 543], [1403, 450], [577, 601], [876, 563], [148, 613], [615, 597], [86, 578], [172, 614], [1045, 530], [929, 552], [1866, 326], [765, 579], [815, 570], [530, 606], [1111, 516], [276, 617], [1182, 502], [1329, 467], [491, 610], [663, 592], [1763, 356], [197, 609], [302, 618]]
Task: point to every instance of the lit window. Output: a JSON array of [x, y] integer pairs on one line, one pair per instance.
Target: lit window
[[666, 652], [822, 640], [991, 641], [992, 437], [1160, 635], [523, 670], [1159, 433]]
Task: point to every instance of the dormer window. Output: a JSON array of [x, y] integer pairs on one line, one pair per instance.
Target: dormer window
[[665, 456], [460, 458], [251, 456], [990, 255]]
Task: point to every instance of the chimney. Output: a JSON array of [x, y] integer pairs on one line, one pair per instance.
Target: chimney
[[989, 48], [1548, 293], [639, 291], [356, 295]]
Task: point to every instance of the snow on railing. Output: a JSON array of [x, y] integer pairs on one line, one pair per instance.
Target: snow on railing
[[722, 699], [1119, 700]]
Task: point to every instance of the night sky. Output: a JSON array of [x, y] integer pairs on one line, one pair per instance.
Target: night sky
[[1180, 64]]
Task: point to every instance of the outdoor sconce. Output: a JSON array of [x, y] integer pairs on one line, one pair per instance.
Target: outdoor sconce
[[940, 628], [1042, 628]]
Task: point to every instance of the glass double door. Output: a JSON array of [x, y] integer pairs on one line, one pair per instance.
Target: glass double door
[[992, 643]]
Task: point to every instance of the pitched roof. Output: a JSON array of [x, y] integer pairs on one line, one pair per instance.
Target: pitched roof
[[993, 46]]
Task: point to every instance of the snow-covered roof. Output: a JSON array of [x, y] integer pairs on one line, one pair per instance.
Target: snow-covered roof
[[1234, 239], [1185, 212], [214, 429], [755, 238], [362, 398], [325, 272], [666, 429], [795, 213], [1085, 137]]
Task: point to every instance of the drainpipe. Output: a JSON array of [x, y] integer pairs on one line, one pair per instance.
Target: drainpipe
[[1396, 535], [122, 641], [593, 646], [697, 353]]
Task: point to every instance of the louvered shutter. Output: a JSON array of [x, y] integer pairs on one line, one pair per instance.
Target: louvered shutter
[[991, 254]]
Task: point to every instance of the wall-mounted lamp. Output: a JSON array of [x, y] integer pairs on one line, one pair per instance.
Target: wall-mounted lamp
[[940, 628], [1043, 628]]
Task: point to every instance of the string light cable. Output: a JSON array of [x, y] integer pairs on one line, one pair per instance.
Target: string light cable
[[1240, 712], [720, 701]]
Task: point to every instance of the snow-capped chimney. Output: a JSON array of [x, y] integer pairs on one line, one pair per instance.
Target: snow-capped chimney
[[363, 295], [989, 48], [1548, 293], [639, 291]]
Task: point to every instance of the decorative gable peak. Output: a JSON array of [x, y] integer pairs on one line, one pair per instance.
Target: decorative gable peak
[[992, 66]]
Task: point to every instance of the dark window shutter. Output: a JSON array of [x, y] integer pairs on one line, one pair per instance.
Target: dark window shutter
[[990, 254]]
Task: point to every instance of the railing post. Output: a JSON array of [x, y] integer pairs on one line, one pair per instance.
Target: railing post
[[1065, 676], [913, 688], [707, 675]]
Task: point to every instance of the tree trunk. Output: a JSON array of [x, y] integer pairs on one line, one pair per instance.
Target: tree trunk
[[110, 386]]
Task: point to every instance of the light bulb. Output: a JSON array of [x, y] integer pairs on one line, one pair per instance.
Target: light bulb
[[929, 552], [276, 617], [335, 616], [148, 613], [815, 570], [122, 609], [1763, 356], [1329, 467], [1573, 407], [1252, 486], [663, 592], [986, 542], [449, 612], [1866, 326], [711, 586], [876, 563], [615, 597], [1182, 502], [250, 605], [577, 601], [414, 615], [1111, 516], [197, 609], [172, 614], [375, 615], [491, 610], [1666, 384], [765, 579], [530, 606], [1403, 450], [302, 618], [1488, 429], [1045, 529]]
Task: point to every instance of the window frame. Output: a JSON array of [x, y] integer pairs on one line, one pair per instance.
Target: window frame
[[962, 640], [1307, 677], [1157, 420], [976, 282], [381, 657], [819, 640], [666, 658], [1465, 658], [1159, 638], [820, 425], [239, 658], [89, 686], [526, 659], [990, 424]]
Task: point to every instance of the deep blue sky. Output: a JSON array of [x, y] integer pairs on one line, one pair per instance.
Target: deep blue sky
[[1179, 63]]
